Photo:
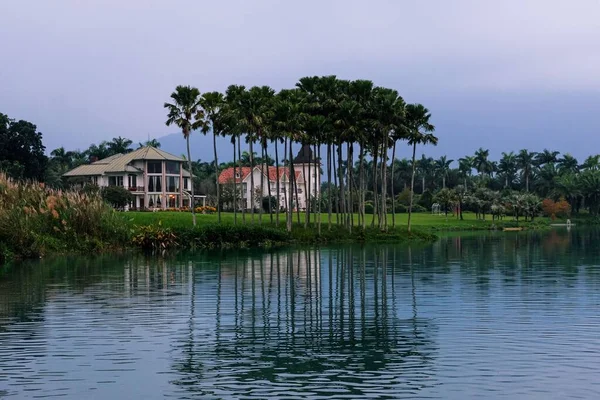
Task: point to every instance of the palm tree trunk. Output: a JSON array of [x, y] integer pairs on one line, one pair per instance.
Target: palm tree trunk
[[392, 186], [423, 188], [252, 202], [290, 182], [286, 191], [412, 185], [242, 198], [235, 191], [305, 178], [268, 180], [277, 188], [329, 200], [262, 183], [317, 186], [361, 177], [383, 223], [192, 201], [342, 197], [375, 200], [335, 183], [217, 175], [349, 208]]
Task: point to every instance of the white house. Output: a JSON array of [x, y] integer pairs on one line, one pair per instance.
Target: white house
[[155, 178], [307, 179]]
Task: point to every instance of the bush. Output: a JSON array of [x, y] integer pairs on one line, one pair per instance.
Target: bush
[[561, 208], [117, 196], [369, 209], [265, 203], [35, 220]]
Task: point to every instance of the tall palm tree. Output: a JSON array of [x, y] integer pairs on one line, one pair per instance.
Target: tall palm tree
[[213, 103], [185, 112], [525, 161], [442, 167], [508, 168], [419, 132], [481, 162], [465, 167]]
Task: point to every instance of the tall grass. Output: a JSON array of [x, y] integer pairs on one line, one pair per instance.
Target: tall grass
[[35, 220]]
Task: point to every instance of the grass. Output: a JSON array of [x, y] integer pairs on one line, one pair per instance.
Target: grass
[[420, 221]]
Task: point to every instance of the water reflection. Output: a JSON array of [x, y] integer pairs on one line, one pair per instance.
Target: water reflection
[[450, 320]]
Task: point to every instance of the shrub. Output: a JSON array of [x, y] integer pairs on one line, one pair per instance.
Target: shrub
[[561, 208], [369, 209], [265, 203], [117, 196], [35, 220], [206, 210]]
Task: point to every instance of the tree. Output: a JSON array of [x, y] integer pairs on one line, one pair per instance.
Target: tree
[[525, 161], [442, 167], [507, 167], [446, 198], [481, 162], [185, 112], [419, 132], [119, 145], [117, 196], [21, 149], [546, 157], [150, 142], [213, 103], [465, 167], [567, 164]]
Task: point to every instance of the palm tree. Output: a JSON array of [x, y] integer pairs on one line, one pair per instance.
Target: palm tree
[[546, 157], [567, 164], [150, 142], [525, 161], [212, 103], [419, 132], [508, 168], [120, 145], [481, 162], [591, 163], [442, 167], [185, 112], [465, 167]]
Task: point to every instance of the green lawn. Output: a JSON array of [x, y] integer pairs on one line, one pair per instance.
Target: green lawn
[[425, 221]]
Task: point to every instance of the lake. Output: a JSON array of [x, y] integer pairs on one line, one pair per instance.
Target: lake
[[494, 316]]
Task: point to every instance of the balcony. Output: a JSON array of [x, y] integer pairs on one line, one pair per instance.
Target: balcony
[[136, 188]]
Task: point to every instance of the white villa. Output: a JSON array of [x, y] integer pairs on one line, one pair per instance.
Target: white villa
[[155, 178], [307, 172]]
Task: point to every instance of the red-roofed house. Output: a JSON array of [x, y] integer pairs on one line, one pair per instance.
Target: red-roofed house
[[307, 174]]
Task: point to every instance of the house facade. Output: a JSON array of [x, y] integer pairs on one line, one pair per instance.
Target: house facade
[[306, 180], [156, 178]]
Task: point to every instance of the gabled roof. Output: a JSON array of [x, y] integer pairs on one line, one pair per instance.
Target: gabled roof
[[305, 155], [274, 173], [121, 162]]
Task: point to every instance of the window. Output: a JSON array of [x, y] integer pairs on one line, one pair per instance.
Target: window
[[186, 183], [173, 167], [155, 167], [132, 181], [94, 180], [115, 181], [172, 184], [155, 184]]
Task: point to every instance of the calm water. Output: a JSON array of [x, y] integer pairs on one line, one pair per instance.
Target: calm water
[[492, 316]]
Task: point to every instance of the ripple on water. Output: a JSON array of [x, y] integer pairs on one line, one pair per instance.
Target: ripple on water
[[453, 320]]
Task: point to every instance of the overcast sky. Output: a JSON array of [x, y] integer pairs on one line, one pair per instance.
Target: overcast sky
[[502, 75]]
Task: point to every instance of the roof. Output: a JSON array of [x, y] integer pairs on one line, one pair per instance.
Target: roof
[[226, 176], [121, 162], [305, 155]]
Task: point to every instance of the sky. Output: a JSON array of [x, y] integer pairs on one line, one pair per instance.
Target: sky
[[502, 75]]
